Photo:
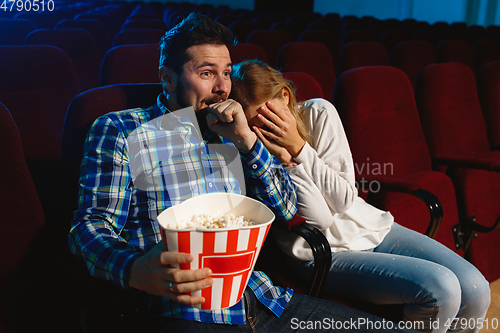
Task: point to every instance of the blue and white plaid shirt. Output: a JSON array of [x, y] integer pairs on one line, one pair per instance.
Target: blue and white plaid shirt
[[115, 222]]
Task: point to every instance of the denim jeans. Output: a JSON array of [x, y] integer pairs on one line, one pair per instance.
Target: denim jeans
[[440, 290], [301, 314]]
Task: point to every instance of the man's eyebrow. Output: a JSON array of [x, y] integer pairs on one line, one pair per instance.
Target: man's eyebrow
[[211, 64]]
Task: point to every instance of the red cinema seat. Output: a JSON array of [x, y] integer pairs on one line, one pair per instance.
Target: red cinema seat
[[411, 56], [378, 110], [247, 51], [312, 58], [271, 41], [455, 129], [358, 54], [488, 85], [138, 36], [80, 47], [130, 64], [455, 51]]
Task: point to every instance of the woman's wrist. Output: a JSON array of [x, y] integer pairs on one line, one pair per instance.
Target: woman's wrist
[[297, 148], [289, 164]]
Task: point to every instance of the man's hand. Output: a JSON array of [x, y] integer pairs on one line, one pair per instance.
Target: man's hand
[[152, 273], [228, 120]]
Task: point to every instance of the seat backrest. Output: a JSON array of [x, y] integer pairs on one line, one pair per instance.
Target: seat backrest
[[130, 64], [390, 38], [306, 86], [486, 50], [358, 54], [330, 39], [20, 208], [36, 85], [449, 108], [80, 47], [95, 27], [138, 36], [271, 41], [247, 51], [243, 28], [14, 31], [488, 85], [42, 20], [429, 35], [411, 56], [91, 104], [312, 58], [377, 108], [455, 51], [357, 35], [144, 24]]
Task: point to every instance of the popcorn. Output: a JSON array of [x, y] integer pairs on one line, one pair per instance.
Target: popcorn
[[211, 221]]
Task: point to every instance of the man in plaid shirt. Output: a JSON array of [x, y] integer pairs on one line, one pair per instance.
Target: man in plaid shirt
[[114, 229]]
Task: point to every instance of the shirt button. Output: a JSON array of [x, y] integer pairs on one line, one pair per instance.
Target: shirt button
[[254, 166], [209, 184], [271, 193]]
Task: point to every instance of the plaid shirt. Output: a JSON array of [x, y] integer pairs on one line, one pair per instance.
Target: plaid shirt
[[123, 188]]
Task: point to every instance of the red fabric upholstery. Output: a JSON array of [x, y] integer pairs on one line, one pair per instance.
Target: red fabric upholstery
[[130, 64], [95, 27], [456, 31], [429, 35], [358, 54], [390, 38], [138, 36], [455, 129], [270, 41], [411, 57], [42, 20], [488, 87], [89, 105], [486, 50], [36, 85], [138, 23], [357, 35], [14, 31], [330, 39], [455, 51], [80, 47], [246, 51], [243, 28], [306, 86], [380, 117], [312, 58], [20, 208]]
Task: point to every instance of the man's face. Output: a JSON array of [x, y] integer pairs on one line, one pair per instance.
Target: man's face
[[205, 78]]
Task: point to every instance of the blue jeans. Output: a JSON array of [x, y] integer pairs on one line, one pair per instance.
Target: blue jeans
[[440, 291], [302, 314]]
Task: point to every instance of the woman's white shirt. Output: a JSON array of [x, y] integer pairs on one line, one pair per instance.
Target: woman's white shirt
[[326, 192]]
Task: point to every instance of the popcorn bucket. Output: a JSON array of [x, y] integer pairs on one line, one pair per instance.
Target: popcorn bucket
[[230, 253]]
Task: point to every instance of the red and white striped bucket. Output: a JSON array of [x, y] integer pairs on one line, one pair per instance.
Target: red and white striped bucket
[[230, 253]]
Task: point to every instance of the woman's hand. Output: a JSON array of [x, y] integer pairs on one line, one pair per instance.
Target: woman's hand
[[281, 128], [281, 153]]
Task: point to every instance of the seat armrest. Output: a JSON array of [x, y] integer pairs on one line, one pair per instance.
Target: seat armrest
[[393, 184], [321, 252], [473, 162]]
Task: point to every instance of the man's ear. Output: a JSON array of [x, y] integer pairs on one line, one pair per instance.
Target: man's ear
[[168, 78]]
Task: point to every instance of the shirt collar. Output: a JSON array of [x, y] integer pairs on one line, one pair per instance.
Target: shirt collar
[[173, 120]]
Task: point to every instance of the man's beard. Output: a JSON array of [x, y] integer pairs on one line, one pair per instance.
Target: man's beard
[[183, 101]]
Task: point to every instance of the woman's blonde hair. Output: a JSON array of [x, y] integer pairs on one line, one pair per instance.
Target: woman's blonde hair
[[255, 82]]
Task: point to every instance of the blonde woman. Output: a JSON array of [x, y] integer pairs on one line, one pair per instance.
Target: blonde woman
[[374, 258]]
